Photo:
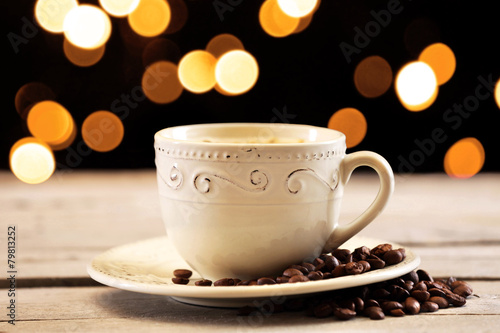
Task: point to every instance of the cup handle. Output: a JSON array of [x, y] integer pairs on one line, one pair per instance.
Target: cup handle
[[384, 171]]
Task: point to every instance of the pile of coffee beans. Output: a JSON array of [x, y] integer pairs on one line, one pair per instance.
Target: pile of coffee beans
[[339, 262], [413, 293]]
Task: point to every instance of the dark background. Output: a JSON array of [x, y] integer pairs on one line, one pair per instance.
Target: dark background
[[304, 78]]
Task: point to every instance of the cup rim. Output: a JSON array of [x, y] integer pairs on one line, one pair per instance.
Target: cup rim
[[330, 136]]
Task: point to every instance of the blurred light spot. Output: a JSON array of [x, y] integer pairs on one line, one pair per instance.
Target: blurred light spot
[[150, 18], [160, 82], [87, 27], [441, 59], [223, 43], [497, 93], [303, 23], [274, 21], [297, 8], [373, 76], [50, 14], [197, 71], [30, 94], [416, 86], [179, 15], [31, 160], [50, 122], [83, 57], [464, 158], [119, 8], [352, 123], [236, 72], [102, 131], [160, 49], [419, 34]]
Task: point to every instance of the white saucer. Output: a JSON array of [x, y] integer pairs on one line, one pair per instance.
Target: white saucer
[[147, 267]]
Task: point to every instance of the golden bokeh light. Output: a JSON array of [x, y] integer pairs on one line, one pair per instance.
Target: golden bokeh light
[[497, 93], [50, 122], [82, 57], [416, 86], [50, 14], [102, 131], [297, 8], [352, 123], [275, 22], [160, 82], [236, 72], [373, 76], [464, 158], [197, 71], [87, 27], [150, 18], [223, 43], [119, 8], [441, 59], [30, 94], [31, 160]]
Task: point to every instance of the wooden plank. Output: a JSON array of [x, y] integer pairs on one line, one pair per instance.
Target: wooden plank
[[103, 309], [66, 221]]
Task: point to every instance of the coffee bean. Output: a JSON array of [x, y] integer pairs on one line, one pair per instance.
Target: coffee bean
[[323, 310], [183, 273], [331, 262], [344, 314], [393, 257], [310, 267], [366, 265], [318, 261], [354, 268], [429, 307], [381, 249], [225, 282], [282, 279], [450, 280], [339, 271], [411, 276], [398, 293], [424, 276], [411, 306], [300, 268], [359, 304], [462, 288], [440, 301], [420, 286], [265, 280], [391, 305], [397, 313], [374, 313], [343, 255], [315, 276], [361, 253], [371, 303], [376, 263], [298, 278], [409, 285], [454, 299], [437, 292], [180, 280], [289, 272], [420, 295], [203, 283]]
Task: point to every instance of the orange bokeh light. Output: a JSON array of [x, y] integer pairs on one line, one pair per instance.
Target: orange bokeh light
[[373, 76], [197, 71], [82, 57], [150, 18], [497, 93], [223, 43], [275, 22], [416, 86], [352, 123], [119, 8], [236, 72], [297, 8], [87, 27], [50, 14], [102, 131], [441, 59], [464, 158], [160, 82], [31, 160]]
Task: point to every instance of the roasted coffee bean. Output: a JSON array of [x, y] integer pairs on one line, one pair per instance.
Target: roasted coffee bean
[[318, 261], [298, 278], [224, 282], [203, 283], [371, 303], [397, 313], [244, 283], [454, 299], [347, 304], [339, 271], [393, 257], [411, 306], [462, 288], [315, 276], [411, 276], [374, 313], [409, 285], [300, 268], [391, 305], [183, 273], [376, 263], [323, 310], [344, 314], [331, 262], [282, 279], [310, 267], [437, 292], [180, 280], [398, 294], [429, 307], [424, 276], [450, 280], [361, 253], [289, 272], [265, 280], [381, 249], [327, 275], [437, 284], [354, 268], [342, 255], [420, 286], [365, 264], [440, 301], [420, 295], [359, 304], [321, 267]]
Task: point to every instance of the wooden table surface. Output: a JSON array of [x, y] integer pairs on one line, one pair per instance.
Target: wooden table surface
[[453, 225]]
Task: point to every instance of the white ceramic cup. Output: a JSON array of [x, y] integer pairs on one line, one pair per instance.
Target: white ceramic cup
[[245, 200]]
